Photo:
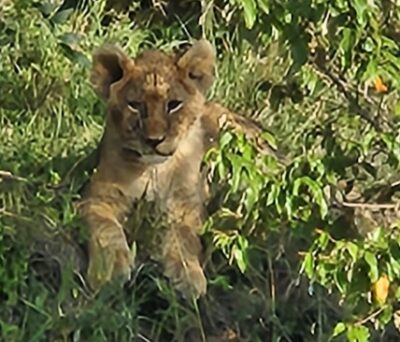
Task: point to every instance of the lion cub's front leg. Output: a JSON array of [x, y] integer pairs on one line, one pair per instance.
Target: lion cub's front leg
[[109, 253], [181, 249]]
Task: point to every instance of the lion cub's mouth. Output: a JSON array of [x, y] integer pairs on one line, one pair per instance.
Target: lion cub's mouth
[[131, 152], [153, 157]]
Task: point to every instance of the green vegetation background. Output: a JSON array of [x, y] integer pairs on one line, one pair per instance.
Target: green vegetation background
[[309, 251]]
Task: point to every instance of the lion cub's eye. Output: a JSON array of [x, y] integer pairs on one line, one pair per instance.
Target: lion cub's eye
[[173, 106], [135, 106]]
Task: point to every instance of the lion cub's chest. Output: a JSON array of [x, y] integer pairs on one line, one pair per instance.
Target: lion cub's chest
[[155, 183]]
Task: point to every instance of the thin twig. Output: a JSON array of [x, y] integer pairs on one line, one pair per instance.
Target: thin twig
[[394, 184], [370, 205], [4, 212], [369, 317], [7, 175]]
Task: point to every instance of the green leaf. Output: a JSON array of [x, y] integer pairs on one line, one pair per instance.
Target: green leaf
[[372, 262], [62, 16], [361, 7], [315, 190], [273, 194], [264, 5], [323, 240], [46, 8], [357, 333], [252, 194], [220, 166], [378, 235], [386, 316], [250, 12], [341, 281], [221, 281], [236, 172], [239, 254], [352, 248], [270, 139], [347, 45], [288, 207], [75, 56], [308, 265], [395, 265], [339, 328], [225, 139], [299, 50], [70, 38]]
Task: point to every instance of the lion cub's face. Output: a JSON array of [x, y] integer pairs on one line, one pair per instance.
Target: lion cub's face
[[153, 99]]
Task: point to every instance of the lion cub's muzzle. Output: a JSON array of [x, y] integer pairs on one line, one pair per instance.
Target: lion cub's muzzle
[[147, 138], [148, 150]]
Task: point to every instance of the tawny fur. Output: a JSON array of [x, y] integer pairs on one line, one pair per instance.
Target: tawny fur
[[153, 152]]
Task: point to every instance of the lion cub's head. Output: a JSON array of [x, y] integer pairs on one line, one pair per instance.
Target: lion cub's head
[[152, 99]]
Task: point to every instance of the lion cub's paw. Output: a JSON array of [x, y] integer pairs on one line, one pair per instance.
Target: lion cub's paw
[[108, 264], [188, 278]]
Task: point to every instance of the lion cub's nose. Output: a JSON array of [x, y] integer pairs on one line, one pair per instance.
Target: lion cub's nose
[[153, 142]]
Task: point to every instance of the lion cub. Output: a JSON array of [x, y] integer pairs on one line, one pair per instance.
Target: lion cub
[[157, 130]]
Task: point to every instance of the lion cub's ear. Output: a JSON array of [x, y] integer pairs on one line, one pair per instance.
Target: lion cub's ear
[[198, 64], [109, 66]]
